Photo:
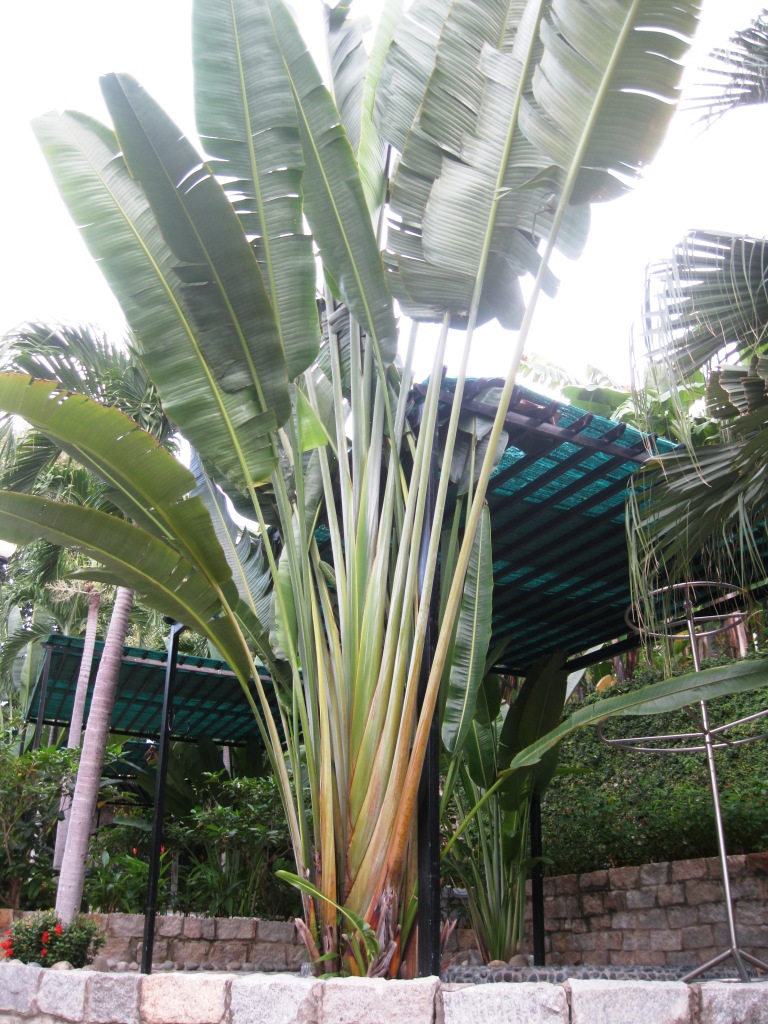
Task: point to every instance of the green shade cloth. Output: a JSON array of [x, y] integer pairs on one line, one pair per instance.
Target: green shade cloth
[[209, 701]]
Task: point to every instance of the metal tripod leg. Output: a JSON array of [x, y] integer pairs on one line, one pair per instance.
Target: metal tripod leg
[[733, 951]]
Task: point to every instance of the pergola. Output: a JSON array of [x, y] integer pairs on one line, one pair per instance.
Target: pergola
[[561, 580]]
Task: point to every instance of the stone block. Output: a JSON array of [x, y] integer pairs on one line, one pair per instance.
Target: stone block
[[683, 917], [683, 870], [757, 864], [62, 994], [275, 999], [375, 1001], [629, 1002], [593, 881], [114, 999], [615, 901], [169, 926], [18, 987], [697, 892], [737, 866], [199, 928], [565, 906], [126, 926], [275, 931], [605, 940], [654, 874], [637, 940], [226, 952], [566, 885], [641, 899], [630, 919], [184, 998], [228, 928], [161, 950], [749, 936], [6, 918], [591, 905], [117, 947], [270, 956], [745, 888], [504, 1004], [733, 1003], [670, 895], [189, 950], [668, 940], [624, 878], [584, 942], [698, 937]]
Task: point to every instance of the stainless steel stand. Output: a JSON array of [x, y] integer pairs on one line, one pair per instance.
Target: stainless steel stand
[[702, 604]]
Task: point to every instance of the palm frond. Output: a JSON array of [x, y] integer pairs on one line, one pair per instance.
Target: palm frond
[[738, 73]]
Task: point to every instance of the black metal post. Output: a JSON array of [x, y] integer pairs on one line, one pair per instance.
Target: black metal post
[[428, 813], [43, 697], [537, 883], [166, 723]]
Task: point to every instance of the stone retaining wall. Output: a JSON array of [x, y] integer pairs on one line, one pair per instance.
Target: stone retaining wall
[[30, 994], [655, 915], [193, 942]]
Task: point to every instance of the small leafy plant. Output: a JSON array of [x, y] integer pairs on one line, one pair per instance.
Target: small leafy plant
[[43, 939]]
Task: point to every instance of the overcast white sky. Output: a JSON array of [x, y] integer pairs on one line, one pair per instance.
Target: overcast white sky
[[52, 53]]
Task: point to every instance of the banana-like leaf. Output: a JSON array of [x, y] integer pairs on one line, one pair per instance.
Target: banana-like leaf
[[333, 195], [658, 698], [480, 744], [610, 72], [349, 61], [143, 478], [133, 558], [488, 704], [473, 636], [244, 552], [355, 82], [246, 119], [124, 238], [221, 280], [538, 707]]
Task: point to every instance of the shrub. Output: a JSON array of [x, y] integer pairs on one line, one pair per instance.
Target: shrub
[[615, 808], [42, 939]]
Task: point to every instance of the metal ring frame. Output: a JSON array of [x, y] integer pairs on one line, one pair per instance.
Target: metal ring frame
[[700, 612]]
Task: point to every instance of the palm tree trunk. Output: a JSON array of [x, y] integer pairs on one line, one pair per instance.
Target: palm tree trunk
[[78, 712], [72, 878]]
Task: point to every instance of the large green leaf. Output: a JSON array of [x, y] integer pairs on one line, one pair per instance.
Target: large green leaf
[[658, 698], [473, 636], [333, 195], [244, 552], [221, 280], [246, 119], [124, 238], [143, 478], [133, 558]]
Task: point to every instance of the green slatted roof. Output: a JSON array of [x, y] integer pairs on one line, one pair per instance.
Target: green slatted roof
[[209, 701], [561, 574]]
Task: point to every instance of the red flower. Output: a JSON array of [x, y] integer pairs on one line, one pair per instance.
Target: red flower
[[43, 952], [45, 937], [8, 932], [9, 952], [58, 929]]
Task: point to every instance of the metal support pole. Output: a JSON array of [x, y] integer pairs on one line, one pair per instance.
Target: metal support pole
[[537, 883], [43, 697], [166, 724], [428, 812], [733, 950]]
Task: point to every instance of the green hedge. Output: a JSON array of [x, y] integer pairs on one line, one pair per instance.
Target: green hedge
[[614, 808]]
